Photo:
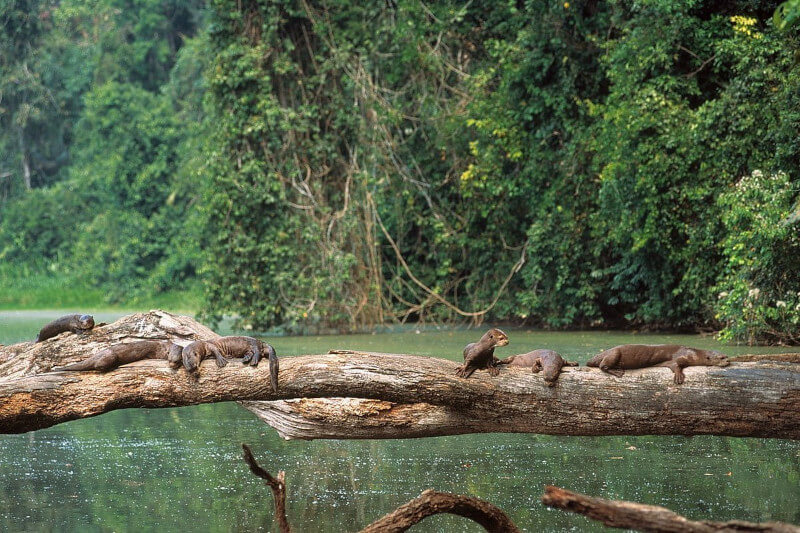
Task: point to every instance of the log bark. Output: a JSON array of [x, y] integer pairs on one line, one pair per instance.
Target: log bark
[[642, 517], [348, 394]]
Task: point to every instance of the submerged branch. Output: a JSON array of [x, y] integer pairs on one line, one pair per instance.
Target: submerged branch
[[276, 484], [429, 503], [612, 513], [642, 517]]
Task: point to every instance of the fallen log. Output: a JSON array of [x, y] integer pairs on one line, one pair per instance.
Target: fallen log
[[348, 394], [642, 517]]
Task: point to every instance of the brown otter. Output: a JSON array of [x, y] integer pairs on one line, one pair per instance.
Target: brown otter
[[547, 360], [248, 348], [672, 356], [73, 323], [120, 354], [481, 354]]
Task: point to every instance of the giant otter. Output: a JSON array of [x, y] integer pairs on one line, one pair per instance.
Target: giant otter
[[120, 354], [538, 360], [73, 323], [481, 354], [672, 356], [248, 348]]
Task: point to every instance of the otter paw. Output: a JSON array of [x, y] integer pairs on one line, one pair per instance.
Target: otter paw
[[222, 362], [493, 371]]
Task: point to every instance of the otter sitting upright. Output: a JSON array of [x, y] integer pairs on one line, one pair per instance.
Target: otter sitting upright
[[120, 354], [73, 323], [481, 354], [538, 360], [248, 348], [672, 356]]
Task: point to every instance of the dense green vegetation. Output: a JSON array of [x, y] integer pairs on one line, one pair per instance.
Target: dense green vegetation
[[316, 165]]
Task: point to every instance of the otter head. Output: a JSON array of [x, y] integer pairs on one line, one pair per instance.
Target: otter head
[[192, 355], [86, 322], [715, 358], [496, 337], [175, 355]]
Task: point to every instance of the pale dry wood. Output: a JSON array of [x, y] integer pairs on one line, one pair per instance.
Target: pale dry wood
[[642, 517], [348, 394]]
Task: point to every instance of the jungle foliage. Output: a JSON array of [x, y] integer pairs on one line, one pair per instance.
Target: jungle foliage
[[337, 165]]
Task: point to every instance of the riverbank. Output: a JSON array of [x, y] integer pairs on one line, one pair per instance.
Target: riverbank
[[38, 292]]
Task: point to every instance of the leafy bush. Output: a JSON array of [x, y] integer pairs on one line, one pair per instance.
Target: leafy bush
[[759, 294]]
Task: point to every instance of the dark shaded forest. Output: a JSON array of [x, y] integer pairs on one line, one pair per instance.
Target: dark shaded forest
[[327, 165]]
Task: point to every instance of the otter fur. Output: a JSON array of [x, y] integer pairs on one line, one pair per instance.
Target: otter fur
[[673, 356], [248, 348], [481, 354]]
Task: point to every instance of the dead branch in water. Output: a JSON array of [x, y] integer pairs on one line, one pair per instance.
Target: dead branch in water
[[429, 503], [641, 517]]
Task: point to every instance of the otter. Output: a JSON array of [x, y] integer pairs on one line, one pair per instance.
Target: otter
[[120, 354], [672, 356], [481, 354], [248, 348], [547, 360], [73, 323]]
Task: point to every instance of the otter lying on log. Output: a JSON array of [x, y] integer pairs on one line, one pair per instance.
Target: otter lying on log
[[672, 356], [538, 360], [248, 348], [73, 323], [120, 354], [481, 354]]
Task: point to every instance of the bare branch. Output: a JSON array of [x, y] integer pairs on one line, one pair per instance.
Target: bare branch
[[431, 502], [277, 485], [638, 516]]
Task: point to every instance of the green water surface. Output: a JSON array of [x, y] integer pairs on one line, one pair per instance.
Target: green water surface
[[181, 469]]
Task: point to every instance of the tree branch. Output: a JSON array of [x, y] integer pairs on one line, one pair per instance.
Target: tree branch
[[630, 515], [276, 484], [429, 503]]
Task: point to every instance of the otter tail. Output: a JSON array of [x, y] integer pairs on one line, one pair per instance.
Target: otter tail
[[88, 364], [273, 366]]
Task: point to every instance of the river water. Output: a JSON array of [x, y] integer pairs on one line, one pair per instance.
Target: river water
[[181, 469]]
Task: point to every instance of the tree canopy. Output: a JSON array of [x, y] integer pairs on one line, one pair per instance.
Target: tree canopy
[[334, 165]]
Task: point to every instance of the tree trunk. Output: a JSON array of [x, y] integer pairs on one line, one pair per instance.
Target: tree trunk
[[366, 395], [26, 165]]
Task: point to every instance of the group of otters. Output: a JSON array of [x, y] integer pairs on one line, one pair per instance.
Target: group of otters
[[477, 355]]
